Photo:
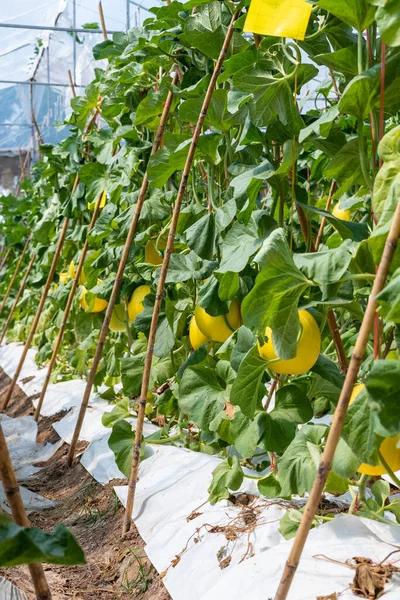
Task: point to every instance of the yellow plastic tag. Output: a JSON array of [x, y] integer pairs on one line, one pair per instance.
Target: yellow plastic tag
[[282, 18]]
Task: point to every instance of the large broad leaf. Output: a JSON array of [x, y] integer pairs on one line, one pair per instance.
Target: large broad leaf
[[345, 462], [298, 466], [388, 174], [272, 97], [347, 230], [360, 427], [227, 476], [379, 235], [183, 267], [362, 94], [328, 370], [163, 164], [218, 115], [388, 19], [244, 343], [247, 390], [274, 299], [343, 60], [357, 13], [121, 442], [22, 545], [203, 392], [321, 126], [240, 431], [205, 31], [389, 300], [383, 385], [201, 236], [292, 404], [327, 266], [240, 243]]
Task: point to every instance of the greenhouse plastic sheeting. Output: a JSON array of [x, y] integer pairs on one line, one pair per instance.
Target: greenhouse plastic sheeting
[[8, 591], [171, 512], [45, 57]]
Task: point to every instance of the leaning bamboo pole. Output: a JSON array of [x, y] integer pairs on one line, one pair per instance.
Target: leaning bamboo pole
[[341, 410], [11, 490], [163, 275], [119, 276], [35, 322], [17, 297], [3, 262], [15, 274], [67, 310]]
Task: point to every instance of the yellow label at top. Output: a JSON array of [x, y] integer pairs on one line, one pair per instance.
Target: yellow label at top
[[282, 18]]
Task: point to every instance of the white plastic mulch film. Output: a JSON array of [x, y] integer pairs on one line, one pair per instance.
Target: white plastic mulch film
[[43, 57], [216, 552]]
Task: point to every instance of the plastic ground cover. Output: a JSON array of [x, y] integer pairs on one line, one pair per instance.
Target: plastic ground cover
[[171, 513]]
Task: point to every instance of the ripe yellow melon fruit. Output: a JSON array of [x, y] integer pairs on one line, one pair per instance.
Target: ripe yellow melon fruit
[[103, 199], [136, 305], [308, 348], [117, 322], [196, 337], [71, 270], [151, 254], [388, 448], [218, 328], [99, 303], [341, 213]]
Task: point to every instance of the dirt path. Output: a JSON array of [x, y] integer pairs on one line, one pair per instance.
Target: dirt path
[[114, 569]]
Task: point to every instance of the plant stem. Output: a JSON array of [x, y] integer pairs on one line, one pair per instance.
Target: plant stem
[[362, 484], [363, 156], [389, 471], [360, 41]]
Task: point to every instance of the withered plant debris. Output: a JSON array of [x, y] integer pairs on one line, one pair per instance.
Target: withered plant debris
[[369, 579]]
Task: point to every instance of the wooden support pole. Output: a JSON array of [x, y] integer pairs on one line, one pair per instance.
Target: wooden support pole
[[341, 410], [11, 490], [67, 310], [71, 83], [15, 274], [3, 262], [102, 21], [118, 278], [323, 221], [17, 297], [163, 275], [39, 135], [38, 311]]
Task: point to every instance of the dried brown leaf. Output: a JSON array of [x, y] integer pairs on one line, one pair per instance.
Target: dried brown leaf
[[225, 563], [369, 581], [333, 596]]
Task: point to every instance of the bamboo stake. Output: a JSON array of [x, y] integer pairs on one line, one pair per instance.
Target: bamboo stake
[[163, 274], [337, 341], [11, 490], [39, 135], [341, 410], [323, 222], [67, 310], [330, 315], [71, 83], [18, 296], [102, 21], [3, 262], [118, 278], [38, 311], [15, 274]]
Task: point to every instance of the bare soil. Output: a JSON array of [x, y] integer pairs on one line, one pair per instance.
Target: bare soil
[[115, 568]]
